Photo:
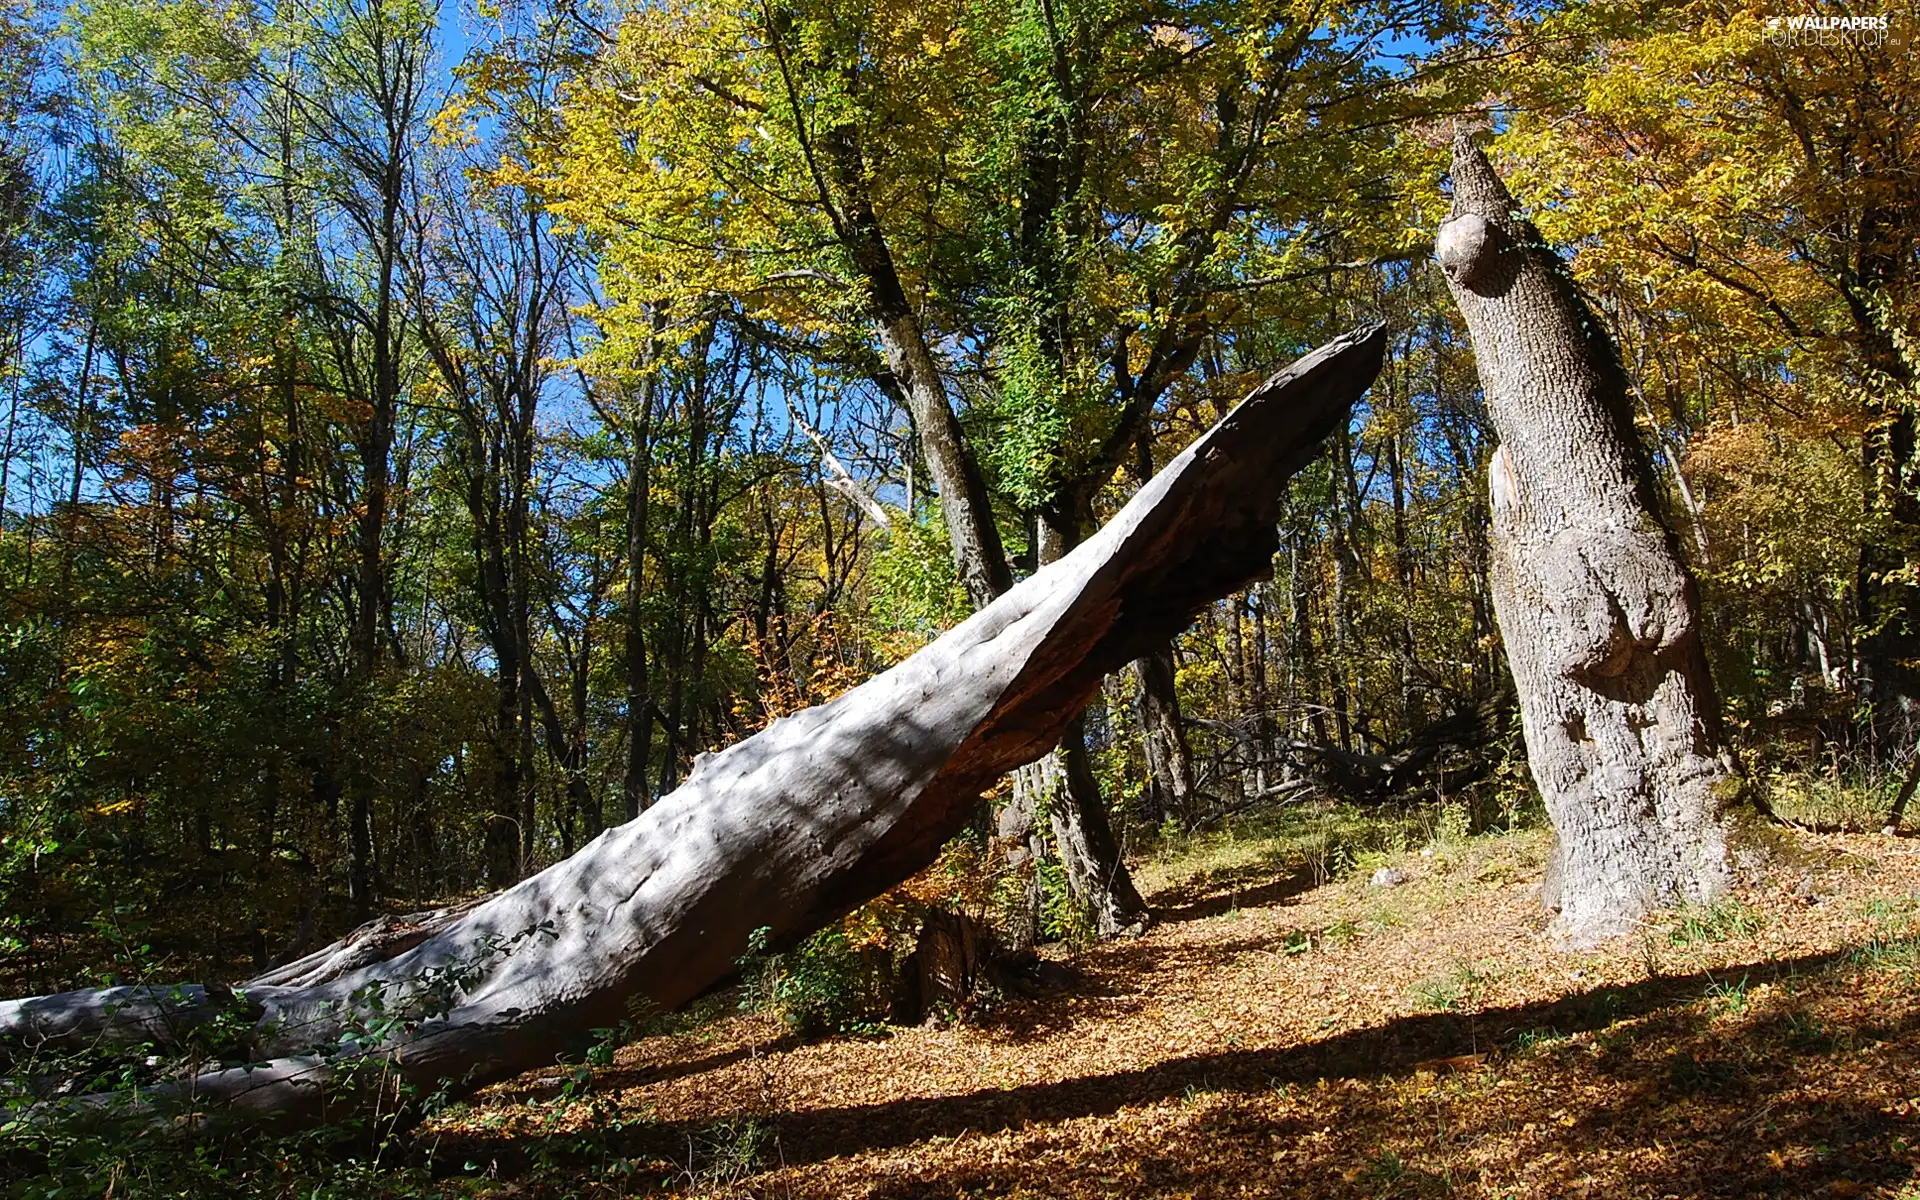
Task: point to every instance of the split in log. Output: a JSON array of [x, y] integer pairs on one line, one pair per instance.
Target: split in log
[[781, 833]]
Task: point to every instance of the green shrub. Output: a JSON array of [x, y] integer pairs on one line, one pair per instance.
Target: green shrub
[[824, 985]]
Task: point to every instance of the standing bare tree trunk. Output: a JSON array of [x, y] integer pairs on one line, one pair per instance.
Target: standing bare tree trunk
[[1069, 795], [1598, 612], [1170, 785]]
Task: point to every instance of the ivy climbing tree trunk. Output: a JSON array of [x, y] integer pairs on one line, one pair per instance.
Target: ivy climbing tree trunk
[[782, 832], [1598, 612]]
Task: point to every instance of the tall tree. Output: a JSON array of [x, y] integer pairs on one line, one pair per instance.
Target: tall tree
[[1598, 611], [934, 196], [1743, 210], [365, 106], [491, 330]]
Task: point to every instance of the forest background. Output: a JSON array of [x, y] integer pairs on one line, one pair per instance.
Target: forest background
[[426, 432]]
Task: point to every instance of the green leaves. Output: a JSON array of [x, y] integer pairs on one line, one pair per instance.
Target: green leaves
[[913, 589], [1033, 415]]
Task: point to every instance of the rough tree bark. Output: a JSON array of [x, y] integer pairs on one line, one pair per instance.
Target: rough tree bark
[[1170, 786], [1597, 610], [1171, 791], [1062, 786], [640, 404], [783, 832]]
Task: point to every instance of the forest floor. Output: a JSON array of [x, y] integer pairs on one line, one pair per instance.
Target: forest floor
[[1280, 1034]]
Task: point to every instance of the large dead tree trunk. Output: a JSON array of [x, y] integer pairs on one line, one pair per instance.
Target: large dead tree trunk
[[783, 832], [1598, 612]]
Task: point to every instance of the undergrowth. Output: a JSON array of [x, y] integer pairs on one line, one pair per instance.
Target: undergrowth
[[1848, 792], [1724, 920], [834, 982]]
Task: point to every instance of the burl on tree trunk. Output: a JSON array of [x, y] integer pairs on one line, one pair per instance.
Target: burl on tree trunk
[[1598, 612], [783, 832]]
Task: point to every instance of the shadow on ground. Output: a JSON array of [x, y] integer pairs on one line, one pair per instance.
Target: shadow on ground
[[1250, 887], [1728, 1096], [536, 1088]]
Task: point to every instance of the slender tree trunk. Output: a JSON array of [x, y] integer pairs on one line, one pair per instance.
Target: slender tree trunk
[[503, 813], [1076, 812], [1169, 758], [634, 788], [1299, 632], [1338, 661], [1411, 716], [14, 391], [280, 495], [529, 784], [567, 744], [517, 435], [588, 803], [978, 556], [1898, 811], [1599, 614], [1237, 687], [1254, 656], [1163, 738]]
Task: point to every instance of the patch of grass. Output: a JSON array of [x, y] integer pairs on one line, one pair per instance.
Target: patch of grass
[[1889, 953], [1804, 1031], [1728, 996], [1366, 862], [1722, 921], [1898, 908], [727, 1152], [1895, 942], [1384, 1167], [1532, 1041], [1327, 841], [1852, 795], [1497, 871], [1314, 842], [1459, 987], [1385, 916], [1340, 933]]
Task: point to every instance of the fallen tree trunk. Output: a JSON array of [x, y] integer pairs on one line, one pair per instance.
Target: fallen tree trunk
[[1456, 746], [783, 832]]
